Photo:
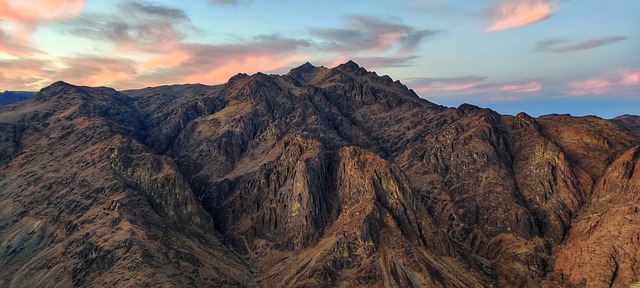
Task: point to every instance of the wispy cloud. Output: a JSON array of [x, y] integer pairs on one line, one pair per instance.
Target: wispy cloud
[[372, 42], [24, 74], [216, 63], [19, 19], [225, 2], [509, 14], [472, 85], [373, 35], [563, 45], [421, 85], [624, 82], [10, 46], [618, 83], [33, 11], [144, 26], [95, 71], [159, 33], [381, 61], [145, 44]]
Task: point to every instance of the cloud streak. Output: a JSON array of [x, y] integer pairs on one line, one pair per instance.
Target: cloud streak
[[509, 14], [562, 45], [25, 16], [24, 74], [216, 63], [148, 27], [422, 85], [619, 83], [224, 2], [372, 34], [36, 10], [96, 71], [473, 85], [625, 82], [149, 48], [10, 46]]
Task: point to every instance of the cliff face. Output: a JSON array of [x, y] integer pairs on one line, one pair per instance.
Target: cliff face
[[603, 247], [320, 177]]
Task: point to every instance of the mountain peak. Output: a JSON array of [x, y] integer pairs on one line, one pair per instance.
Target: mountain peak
[[56, 88], [302, 69], [349, 66], [305, 66], [58, 85]]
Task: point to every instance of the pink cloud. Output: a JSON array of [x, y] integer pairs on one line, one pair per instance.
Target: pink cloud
[[170, 59], [439, 85], [510, 14], [386, 40], [24, 16], [35, 10], [96, 71], [474, 85], [246, 64], [23, 74], [622, 82], [630, 77], [458, 87], [146, 44], [522, 88], [11, 46]]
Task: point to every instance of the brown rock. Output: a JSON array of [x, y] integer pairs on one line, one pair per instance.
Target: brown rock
[[603, 247]]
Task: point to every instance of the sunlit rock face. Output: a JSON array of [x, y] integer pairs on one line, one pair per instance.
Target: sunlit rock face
[[319, 177]]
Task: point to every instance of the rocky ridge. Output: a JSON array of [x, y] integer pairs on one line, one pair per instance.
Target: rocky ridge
[[319, 177]]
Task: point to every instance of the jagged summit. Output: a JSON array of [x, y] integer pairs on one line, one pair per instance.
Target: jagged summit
[[304, 68], [349, 66]]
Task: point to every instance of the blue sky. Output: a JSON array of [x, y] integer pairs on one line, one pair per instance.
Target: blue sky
[[538, 56]]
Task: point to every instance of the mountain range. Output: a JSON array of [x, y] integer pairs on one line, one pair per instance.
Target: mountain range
[[10, 97], [316, 178]]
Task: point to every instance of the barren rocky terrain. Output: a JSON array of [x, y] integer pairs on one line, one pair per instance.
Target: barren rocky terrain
[[316, 178]]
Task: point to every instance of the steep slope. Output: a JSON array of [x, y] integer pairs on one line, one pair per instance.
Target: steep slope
[[277, 146], [603, 248], [630, 121], [85, 204], [503, 190], [319, 177]]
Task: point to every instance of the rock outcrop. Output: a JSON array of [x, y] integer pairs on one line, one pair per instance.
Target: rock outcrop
[[603, 248]]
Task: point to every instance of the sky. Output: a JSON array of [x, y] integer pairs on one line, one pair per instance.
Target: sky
[[538, 56]]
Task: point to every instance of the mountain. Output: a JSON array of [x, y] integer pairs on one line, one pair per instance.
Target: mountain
[[319, 177], [631, 121], [10, 97]]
